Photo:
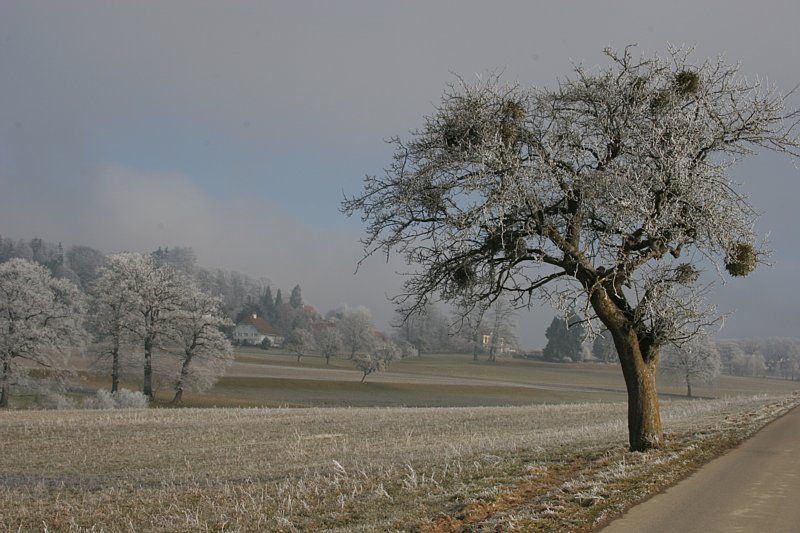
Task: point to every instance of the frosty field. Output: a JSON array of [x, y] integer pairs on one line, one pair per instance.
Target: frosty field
[[343, 469]]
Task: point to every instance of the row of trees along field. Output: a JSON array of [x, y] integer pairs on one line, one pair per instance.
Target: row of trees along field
[[777, 357], [492, 331], [158, 312], [134, 304], [142, 307], [698, 360]]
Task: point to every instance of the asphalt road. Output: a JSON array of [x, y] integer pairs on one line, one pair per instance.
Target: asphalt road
[[753, 488]]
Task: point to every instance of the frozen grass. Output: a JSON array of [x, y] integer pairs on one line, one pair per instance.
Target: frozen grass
[[336, 469]]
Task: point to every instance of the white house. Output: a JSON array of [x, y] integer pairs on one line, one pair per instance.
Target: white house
[[253, 330]]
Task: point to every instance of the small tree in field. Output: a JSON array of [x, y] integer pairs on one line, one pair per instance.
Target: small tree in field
[[376, 360], [608, 193], [329, 342], [697, 361], [300, 341], [357, 330], [40, 318]]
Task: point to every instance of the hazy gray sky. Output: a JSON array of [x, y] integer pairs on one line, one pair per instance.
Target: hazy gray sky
[[234, 127]]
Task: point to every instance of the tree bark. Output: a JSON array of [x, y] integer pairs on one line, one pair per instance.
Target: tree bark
[[182, 379], [5, 388], [147, 388], [639, 365], [115, 370], [644, 416]]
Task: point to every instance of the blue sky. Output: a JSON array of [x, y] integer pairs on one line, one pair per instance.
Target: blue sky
[[234, 127]]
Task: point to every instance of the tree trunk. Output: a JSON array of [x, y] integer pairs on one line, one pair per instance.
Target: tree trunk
[[688, 387], [639, 366], [644, 417], [147, 388], [5, 388], [182, 379], [115, 371]]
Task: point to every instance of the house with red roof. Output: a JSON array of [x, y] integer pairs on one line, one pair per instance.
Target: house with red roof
[[253, 330]]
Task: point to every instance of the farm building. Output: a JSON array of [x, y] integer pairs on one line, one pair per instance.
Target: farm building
[[253, 330]]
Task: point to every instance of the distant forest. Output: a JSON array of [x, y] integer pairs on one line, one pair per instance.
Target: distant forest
[[241, 293], [431, 330]]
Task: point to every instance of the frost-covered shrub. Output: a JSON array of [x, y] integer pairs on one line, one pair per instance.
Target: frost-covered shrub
[[57, 400], [128, 399], [122, 399], [101, 400]]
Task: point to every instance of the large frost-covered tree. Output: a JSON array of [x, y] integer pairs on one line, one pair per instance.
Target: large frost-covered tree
[[140, 300], [112, 320], [154, 290], [204, 350], [612, 189], [40, 318]]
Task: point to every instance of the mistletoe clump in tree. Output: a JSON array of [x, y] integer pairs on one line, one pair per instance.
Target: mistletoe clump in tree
[[610, 190]]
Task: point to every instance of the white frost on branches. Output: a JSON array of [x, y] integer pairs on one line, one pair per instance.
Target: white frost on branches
[[40, 320], [697, 361], [616, 177]]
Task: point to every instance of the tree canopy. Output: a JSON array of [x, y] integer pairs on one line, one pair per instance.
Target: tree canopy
[[611, 190], [40, 317]]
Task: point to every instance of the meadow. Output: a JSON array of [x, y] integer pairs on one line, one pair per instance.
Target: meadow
[[274, 379], [517, 444]]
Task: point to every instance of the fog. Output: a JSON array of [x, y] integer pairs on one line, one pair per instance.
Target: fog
[[236, 127]]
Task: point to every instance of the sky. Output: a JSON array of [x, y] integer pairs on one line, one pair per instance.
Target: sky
[[236, 127]]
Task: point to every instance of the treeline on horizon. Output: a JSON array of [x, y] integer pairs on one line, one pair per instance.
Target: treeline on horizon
[[243, 295], [753, 357]]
